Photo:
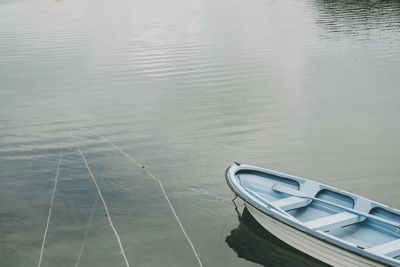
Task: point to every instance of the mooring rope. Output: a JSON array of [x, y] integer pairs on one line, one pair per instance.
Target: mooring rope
[[50, 209], [104, 205], [89, 224], [164, 193]]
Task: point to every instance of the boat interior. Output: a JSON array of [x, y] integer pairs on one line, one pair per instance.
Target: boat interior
[[316, 211]]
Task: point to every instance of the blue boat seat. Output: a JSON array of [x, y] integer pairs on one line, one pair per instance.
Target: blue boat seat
[[390, 249], [335, 221], [290, 203]]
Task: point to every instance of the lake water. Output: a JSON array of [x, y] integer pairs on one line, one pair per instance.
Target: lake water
[[306, 87]]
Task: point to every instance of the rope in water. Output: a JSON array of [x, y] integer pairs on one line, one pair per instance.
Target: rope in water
[[164, 193], [50, 209], [104, 205], [89, 224]]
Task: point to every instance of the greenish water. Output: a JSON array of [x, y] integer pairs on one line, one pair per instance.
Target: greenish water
[[309, 88]]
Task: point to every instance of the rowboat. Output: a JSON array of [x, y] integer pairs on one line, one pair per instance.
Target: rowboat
[[329, 224]]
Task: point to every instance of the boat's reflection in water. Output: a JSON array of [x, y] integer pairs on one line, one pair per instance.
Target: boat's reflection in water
[[252, 242]]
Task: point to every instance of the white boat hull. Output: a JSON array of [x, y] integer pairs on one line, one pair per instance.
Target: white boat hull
[[310, 245]]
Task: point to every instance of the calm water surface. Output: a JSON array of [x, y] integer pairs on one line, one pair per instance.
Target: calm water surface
[[306, 87]]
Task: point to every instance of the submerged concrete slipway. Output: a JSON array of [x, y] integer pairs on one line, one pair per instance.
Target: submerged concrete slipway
[[119, 118]]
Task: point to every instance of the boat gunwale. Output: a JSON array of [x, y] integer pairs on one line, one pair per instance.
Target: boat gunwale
[[240, 191]]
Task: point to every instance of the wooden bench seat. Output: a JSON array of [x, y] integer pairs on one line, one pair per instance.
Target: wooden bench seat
[[335, 221], [290, 203], [390, 249]]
